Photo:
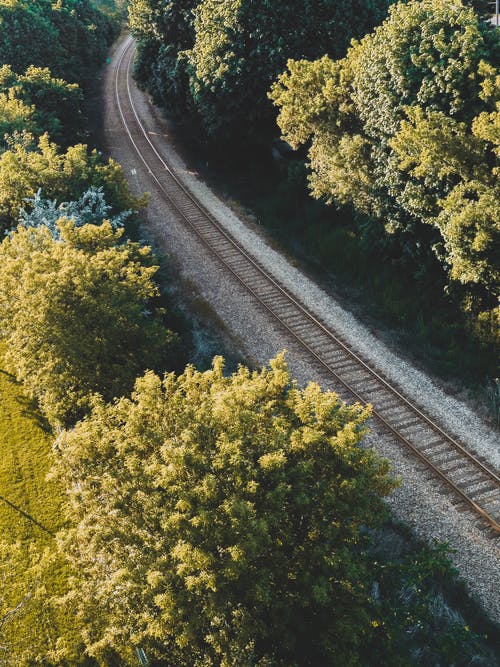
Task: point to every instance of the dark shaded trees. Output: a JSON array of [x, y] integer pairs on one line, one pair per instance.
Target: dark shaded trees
[[241, 46], [69, 37], [164, 29], [217, 60]]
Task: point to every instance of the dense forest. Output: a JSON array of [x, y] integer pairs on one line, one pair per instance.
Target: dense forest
[[189, 517]]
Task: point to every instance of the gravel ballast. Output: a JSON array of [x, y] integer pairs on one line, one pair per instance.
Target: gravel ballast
[[420, 500]]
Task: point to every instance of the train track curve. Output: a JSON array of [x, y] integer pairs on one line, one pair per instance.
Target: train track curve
[[473, 481]]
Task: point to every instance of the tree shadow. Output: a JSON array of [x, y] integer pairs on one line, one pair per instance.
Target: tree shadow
[[29, 408], [27, 516]]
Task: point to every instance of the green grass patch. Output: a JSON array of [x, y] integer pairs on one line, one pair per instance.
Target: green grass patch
[[30, 570]]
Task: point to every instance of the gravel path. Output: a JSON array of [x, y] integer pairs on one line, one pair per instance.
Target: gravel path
[[419, 500]]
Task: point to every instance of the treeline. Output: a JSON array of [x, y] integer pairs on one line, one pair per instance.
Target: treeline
[[80, 310], [70, 37], [49, 55], [399, 129], [217, 60], [77, 314], [405, 129]]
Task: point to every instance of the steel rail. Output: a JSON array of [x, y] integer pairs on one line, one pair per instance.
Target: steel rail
[[306, 314]]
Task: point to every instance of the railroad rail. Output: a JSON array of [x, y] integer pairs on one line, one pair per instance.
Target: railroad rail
[[473, 481]]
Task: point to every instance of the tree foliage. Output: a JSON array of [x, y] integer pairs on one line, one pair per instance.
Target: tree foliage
[[46, 103], [16, 119], [241, 46], [63, 176], [90, 209], [69, 36], [403, 128], [75, 313], [217, 520], [164, 30], [218, 59]]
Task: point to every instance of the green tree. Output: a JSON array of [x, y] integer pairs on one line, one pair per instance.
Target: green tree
[[16, 118], [68, 36], [79, 22], [63, 176], [164, 30], [241, 46], [26, 35], [57, 104], [218, 521], [76, 315], [451, 184], [402, 129]]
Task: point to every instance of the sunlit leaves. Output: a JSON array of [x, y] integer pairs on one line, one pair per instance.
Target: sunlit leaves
[[75, 314], [63, 176], [50, 104], [405, 129], [222, 517]]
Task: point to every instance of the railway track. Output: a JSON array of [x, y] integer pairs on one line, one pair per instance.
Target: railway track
[[474, 483]]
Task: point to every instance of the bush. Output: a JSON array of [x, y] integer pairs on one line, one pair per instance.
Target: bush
[[76, 316]]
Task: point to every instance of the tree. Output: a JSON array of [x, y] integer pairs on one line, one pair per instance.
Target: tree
[[24, 23], [54, 105], [69, 37], [80, 22], [90, 209], [454, 185], [76, 314], [164, 30], [64, 176], [218, 520], [402, 129], [16, 118], [241, 46]]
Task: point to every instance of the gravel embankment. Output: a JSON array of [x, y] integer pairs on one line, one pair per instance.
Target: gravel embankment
[[419, 500]]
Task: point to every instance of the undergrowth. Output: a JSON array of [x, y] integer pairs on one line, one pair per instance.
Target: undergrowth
[[425, 610]]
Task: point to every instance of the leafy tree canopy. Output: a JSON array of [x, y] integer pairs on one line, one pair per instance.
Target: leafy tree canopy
[[403, 128], [48, 104], [16, 119], [91, 209], [241, 46], [24, 23], [64, 176], [221, 517], [68, 36], [218, 59], [76, 316], [164, 30]]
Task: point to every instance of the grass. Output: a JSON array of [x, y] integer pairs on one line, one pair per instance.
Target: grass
[[28, 549]]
